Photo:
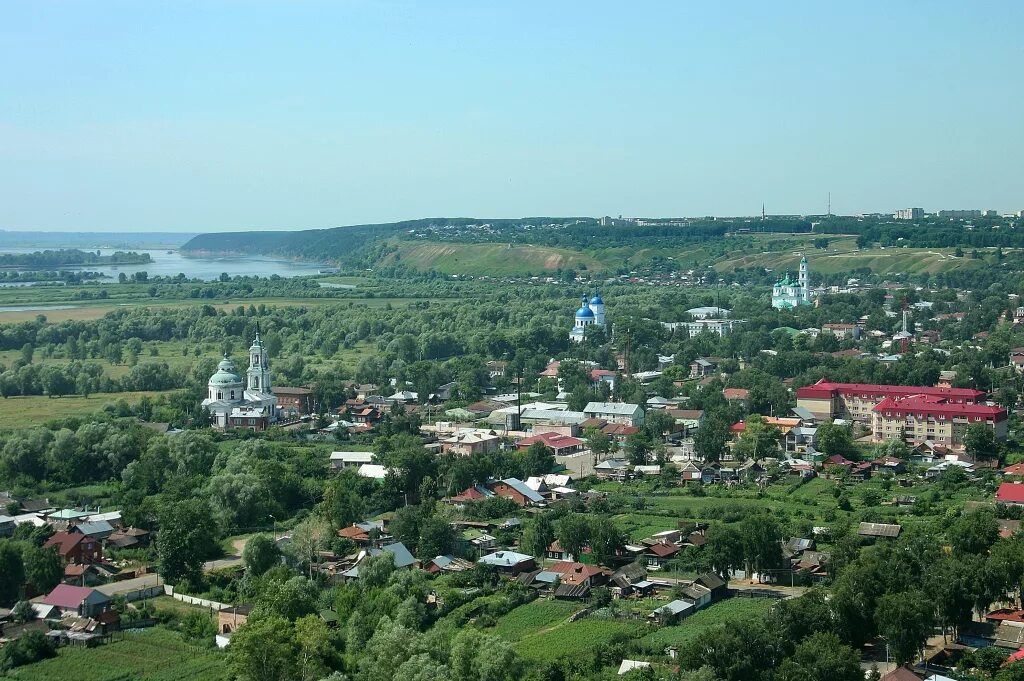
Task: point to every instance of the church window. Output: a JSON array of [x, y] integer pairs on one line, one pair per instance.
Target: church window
[[232, 394], [220, 395], [256, 360]]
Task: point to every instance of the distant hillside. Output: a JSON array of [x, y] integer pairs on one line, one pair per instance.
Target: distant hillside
[[340, 244]]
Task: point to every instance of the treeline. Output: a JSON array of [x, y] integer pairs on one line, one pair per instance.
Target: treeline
[[85, 378], [72, 256]]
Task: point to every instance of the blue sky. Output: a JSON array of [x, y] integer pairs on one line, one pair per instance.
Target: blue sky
[[258, 115]]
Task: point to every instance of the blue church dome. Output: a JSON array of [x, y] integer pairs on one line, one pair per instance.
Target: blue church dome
[[584, 313], [596, 300]]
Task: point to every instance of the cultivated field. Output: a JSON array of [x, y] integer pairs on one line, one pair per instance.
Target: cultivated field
[[532, 617], [147, 655], [693, 626]]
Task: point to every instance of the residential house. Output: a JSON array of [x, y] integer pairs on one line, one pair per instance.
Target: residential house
[[78, 601], [619, 432], [469, 442], [74, 547], [1011, 494], [448, 564], [736, 395], [98, 530], [879, 530], [715, 584], [576, 579], [701, 367], [616, 412], [561, 445], [297, 400], [508, 562], [690, 472], [658, 555], [401, 556], [365, 533], [556, 552], [631, 579], [478, 539], [612, 469], [129, 538], [689, 419], [672, 612], [341, 460], [517, 491], [888, 464]]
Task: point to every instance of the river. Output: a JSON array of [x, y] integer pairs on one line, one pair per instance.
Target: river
[[170, 264]]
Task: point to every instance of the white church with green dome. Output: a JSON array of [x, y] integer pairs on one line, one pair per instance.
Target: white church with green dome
[[787, 294], [236, 404]]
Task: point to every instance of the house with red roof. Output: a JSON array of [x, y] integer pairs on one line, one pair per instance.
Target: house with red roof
[[1011, 494], [925, 417], [1016, 470], [657, 555], [560, 444], [74, 547], [828, 400], [78, 600], [573, 573]]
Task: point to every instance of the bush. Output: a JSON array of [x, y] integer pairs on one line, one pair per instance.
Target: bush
[[32, 647]]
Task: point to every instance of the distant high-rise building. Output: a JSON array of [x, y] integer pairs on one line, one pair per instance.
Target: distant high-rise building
[[909, 214], [959, 214], [990, 213]]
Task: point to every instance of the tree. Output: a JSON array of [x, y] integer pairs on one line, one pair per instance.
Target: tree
[[974, 533], [637, 449], [260, 554], [573, 531], [187, 537], [12, 572], [758, 440], [724, 548], [437, 537], [538, 535], [709, 440], [760, 536], [606, 539], [43, 567], [821, 657], [598, 442], [980, 441], [313, 642], [904, 620], [264, 649], [537, 459], [834, 439]]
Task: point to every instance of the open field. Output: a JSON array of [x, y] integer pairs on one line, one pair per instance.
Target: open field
[[532, 617], [693, 626], [19, 412], [492, 259], [840, 258], [565, 639], [155, 654]]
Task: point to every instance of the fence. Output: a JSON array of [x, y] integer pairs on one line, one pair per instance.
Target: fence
[[145, 592], [192, 600]]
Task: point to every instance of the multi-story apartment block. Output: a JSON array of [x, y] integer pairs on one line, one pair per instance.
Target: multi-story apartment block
[[827, 400], [918, 418]]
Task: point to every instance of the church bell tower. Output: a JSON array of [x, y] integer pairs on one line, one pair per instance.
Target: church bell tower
[[258, 375]]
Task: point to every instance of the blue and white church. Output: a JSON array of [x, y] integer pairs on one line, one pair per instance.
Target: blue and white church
[[234, 403], [587, 316]]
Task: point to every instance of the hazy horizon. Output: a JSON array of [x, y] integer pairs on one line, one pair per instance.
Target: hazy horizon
[[230, 116]]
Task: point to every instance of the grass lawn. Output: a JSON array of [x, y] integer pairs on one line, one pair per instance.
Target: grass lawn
[[20, 412], [155, 654], [701, 621], [531, 617], [174, 606], [565, 639]]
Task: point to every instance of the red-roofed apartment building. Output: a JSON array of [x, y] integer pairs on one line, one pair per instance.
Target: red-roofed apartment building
[[917, 418], [827, 400]]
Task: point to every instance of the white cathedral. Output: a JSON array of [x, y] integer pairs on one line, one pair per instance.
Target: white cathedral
[[787, 294], [589, 315], [249, 405]]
